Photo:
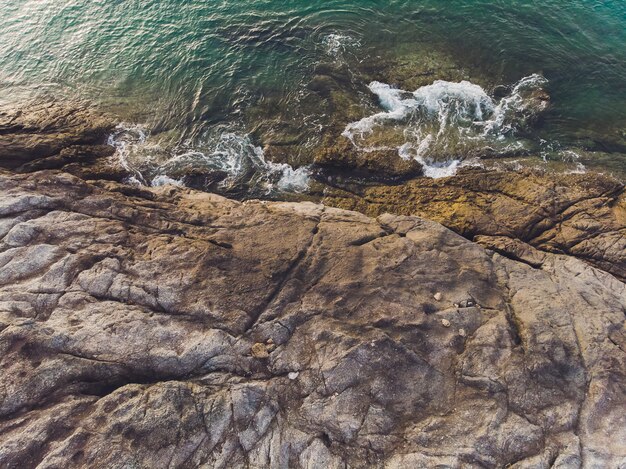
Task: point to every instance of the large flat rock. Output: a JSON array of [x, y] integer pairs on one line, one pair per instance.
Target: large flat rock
[[171, 328]]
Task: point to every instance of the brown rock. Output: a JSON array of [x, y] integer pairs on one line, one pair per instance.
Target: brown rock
[[46, 130], [260, 350], [127, 317], [583, 215], [343, 157]]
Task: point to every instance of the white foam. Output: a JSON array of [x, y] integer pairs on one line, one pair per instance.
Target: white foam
[[579, 169], [466, 99], [294, 180], [237, 155], [442, 119], [431, 169], [133, 181], [335, 44], [503, 119], [573, 157], [125, 138], [164, 180], [396, 108], [231, 152]]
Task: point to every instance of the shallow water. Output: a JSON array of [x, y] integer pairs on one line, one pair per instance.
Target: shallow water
[[190, 70]]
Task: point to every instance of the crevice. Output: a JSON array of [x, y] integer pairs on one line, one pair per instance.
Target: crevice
[[220, 244], [287, 275], [325, 439], [515, 329], [513, 257], [615, 343], [368, 239]]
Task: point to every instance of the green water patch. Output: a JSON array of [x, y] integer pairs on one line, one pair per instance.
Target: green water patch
[[291, 75]]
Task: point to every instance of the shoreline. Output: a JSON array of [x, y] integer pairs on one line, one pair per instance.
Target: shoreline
[[172, 327], [313, 234]]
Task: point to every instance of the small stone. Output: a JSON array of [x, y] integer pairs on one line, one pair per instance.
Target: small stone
[[462, 332], [293, 375], [438, 296], [259, 350], [270, 341], [445, 323], [465, 304]]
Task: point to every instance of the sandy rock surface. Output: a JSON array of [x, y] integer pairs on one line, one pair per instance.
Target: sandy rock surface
[[49, 134]]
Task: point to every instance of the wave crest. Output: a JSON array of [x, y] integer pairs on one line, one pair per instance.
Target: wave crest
[[232, 160], [441, 124]]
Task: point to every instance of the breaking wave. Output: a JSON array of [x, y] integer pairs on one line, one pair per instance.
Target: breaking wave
[[442, 124], [231, 162], [125, 138]]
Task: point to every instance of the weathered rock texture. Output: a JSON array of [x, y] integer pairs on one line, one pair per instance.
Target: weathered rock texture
[[583, 215], [172, 328], [52, 135]]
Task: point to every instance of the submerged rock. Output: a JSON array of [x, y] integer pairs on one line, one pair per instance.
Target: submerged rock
[[128, 317], [376, 165], [308, 129]]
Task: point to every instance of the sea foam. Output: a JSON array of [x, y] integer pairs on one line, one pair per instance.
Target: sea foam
[[442, 121], [125, 137], [240, 158], [233, 153]]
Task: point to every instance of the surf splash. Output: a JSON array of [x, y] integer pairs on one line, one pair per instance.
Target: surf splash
[[336, 44], [232, 162], [243, 162], [125, 138], [447, 124]]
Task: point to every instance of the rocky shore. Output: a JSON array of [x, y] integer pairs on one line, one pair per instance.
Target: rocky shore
[[472, 321], [582, 215]]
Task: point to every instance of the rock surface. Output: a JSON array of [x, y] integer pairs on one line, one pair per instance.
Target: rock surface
[[54, 135], [583, 215], [173, 328], [344, 158]]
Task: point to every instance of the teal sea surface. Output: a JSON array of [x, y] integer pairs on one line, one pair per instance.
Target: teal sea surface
[[193, 69]]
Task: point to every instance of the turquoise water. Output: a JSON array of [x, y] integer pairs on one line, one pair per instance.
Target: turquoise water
[[189, 67]]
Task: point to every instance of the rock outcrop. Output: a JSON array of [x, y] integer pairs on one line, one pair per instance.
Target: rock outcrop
[[53, 135], [309, 129], [173, 328], [382, 165], [583, 215]]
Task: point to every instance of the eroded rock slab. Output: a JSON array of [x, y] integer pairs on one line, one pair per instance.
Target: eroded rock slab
[[583, 215], [172, 328]]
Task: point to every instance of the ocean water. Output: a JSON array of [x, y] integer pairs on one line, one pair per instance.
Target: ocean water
[[182, 76]]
